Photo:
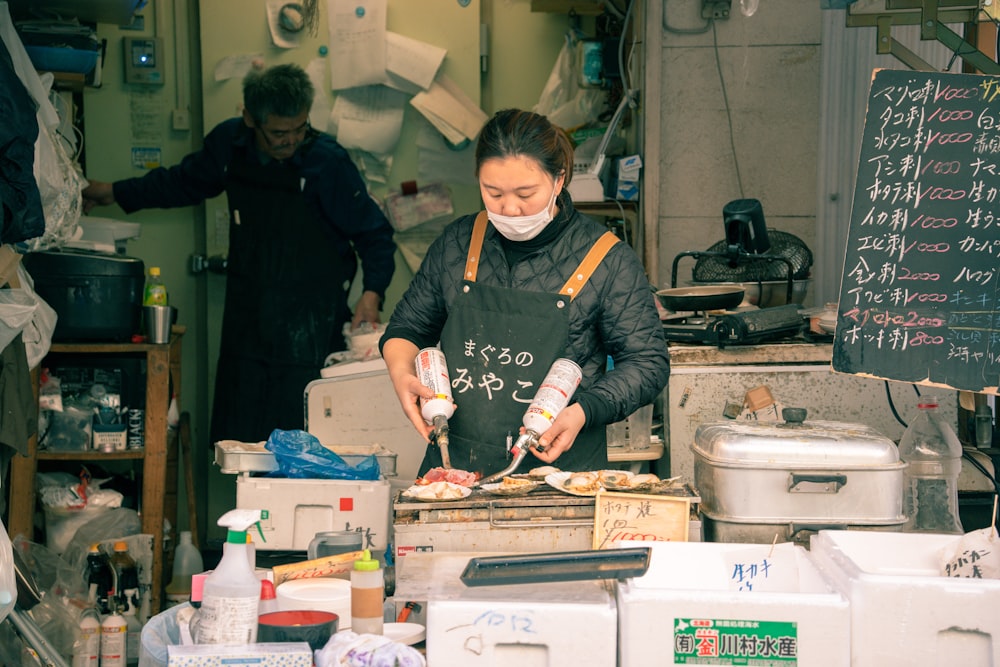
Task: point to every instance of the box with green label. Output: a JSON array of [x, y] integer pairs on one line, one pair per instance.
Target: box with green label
[[708, 603]]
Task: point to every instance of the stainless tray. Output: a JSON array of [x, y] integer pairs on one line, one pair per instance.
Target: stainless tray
[[557, 566], [234, 457]]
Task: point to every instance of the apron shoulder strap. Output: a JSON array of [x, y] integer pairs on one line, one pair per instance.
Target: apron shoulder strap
[[475, 247], [583, 272]]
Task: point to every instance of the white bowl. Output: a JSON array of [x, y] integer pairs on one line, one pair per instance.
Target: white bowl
[[319, 593]]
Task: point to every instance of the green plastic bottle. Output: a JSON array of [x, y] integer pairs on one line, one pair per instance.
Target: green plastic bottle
[[156, 292]]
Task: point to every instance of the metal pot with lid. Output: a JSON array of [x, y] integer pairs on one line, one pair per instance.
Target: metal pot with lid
[[762, 479]]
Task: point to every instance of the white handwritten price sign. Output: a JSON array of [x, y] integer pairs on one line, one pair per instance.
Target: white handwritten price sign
[[920, 292], [629, 516]]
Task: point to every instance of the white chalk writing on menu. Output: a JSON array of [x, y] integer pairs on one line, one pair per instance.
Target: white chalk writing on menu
[[920, 294]]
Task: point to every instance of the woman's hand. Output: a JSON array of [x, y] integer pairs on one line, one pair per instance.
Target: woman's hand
[[561, 434], [399, 356]]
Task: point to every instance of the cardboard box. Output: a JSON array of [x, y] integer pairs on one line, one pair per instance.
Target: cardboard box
[[731, 604], [297, 509], [552, 624], [903, 612], [277, 654]]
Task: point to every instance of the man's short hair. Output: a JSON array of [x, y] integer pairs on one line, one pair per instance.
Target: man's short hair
[[282, 90]]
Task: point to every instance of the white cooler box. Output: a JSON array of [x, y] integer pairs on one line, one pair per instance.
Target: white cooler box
[[902, 611], [297, 509], [731, 604], [528, 625]]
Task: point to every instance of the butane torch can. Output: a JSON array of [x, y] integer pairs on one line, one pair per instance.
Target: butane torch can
[[432, 371], [553, 395]]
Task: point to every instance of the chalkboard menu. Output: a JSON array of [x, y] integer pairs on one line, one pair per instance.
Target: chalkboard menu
[[920, 295]]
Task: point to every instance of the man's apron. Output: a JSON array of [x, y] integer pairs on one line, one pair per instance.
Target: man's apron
[[499, 344], [286, 304]]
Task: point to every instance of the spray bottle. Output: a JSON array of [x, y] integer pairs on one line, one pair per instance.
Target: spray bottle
[[231, 595], [552, 396], [432, 371]]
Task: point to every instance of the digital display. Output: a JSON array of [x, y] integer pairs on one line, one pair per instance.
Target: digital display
[[143, 54]]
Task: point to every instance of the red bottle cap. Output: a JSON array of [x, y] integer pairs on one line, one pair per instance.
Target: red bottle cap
[[267, 590], [198, 587]]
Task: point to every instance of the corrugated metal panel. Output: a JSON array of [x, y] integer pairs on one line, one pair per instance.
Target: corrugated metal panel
[[848, 60]]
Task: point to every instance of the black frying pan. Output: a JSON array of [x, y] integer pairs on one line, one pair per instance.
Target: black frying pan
[[702, 297]]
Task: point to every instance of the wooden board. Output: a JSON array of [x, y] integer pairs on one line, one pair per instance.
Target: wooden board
[[631, 516], [920, 295]]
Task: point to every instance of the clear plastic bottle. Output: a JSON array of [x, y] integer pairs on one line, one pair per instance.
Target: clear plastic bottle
[[100, 580], [367, 595], [87, 645], [933, 455], [187, 562], [231, 596], [126, 578], [133, 634], [155, 293]]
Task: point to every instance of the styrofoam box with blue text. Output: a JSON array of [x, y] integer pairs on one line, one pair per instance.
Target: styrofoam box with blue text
[[731, 604], [297, 509], [903, 612], [551, 624]]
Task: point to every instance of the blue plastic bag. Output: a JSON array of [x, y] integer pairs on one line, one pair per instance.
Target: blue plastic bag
[[300, 455]]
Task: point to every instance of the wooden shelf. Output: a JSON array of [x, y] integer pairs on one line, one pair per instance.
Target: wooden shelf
[[159, 484], [582, 7], [43, 455]]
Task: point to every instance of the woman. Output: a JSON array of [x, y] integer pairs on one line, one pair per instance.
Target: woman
[[507, 292]]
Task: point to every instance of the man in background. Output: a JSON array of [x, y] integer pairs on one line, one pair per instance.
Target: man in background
[[300, 219]]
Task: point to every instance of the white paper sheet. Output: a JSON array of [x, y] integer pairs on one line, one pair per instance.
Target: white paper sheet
[[450, 110], [413, 61], [436, 161], [285, 39], [319, 114], [369, 118], [236, 67], [357, 42]]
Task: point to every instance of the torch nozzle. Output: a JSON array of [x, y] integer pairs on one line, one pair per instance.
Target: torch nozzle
[[440, 437]]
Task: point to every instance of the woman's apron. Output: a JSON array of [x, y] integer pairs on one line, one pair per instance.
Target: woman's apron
[[500, 343]]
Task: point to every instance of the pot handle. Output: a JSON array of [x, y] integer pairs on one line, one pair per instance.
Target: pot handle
[[811, 482]]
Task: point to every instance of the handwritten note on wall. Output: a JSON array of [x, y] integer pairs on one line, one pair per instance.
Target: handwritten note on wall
[[920, 295], [628, 516]]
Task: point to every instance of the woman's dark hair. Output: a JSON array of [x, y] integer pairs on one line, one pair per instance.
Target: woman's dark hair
[[282, 90], [515, 132]]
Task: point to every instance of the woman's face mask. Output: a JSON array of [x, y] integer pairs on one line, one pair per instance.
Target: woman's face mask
[[523, 227], [515, 184]]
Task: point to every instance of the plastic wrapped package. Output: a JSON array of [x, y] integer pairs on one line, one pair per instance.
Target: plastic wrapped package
[[8, 584], [349, 649], [301, 455]]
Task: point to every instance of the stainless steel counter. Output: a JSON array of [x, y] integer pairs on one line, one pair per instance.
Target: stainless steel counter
[[703, 379]]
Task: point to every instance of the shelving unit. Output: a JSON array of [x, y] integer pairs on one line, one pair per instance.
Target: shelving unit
[[159, 483]]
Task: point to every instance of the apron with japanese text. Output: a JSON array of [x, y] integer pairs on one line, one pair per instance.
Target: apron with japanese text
[[500, 343], [286, 304]]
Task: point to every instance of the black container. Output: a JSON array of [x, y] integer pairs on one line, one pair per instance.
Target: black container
[[97, 295]]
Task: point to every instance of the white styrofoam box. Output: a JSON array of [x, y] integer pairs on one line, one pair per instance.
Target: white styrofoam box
[[902, 611], [528, 625], [297, 509], [693, 588]]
